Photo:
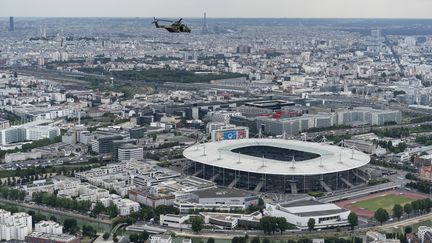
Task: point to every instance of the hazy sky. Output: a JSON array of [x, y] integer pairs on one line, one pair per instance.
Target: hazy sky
[[219, 8]]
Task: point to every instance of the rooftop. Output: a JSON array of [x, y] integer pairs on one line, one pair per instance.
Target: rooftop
[[328, 159]]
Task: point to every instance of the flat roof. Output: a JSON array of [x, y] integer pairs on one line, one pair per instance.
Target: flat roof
[[331, 158], [221, 193]]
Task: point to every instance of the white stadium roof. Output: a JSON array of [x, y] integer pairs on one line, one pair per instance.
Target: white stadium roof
[[331, 158]]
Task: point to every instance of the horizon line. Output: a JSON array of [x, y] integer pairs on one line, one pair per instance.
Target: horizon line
[[201, 17]]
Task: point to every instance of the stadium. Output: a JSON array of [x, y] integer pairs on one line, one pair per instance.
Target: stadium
[[277, 165]]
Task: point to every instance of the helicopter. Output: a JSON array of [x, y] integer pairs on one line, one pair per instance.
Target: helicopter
[[174, 27]]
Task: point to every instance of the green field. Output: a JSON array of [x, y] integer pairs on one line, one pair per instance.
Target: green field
[[387, 202]]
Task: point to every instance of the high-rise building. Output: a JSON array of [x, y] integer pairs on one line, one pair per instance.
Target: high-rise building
[[11, 24], [205, 27]]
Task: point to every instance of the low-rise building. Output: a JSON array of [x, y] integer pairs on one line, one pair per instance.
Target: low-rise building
[[151, 197], [160, 239], [299, 212], [49, 227], [39, 237], [174, 221]]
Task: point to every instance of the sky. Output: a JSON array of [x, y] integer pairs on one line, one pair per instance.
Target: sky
[[219, 8]]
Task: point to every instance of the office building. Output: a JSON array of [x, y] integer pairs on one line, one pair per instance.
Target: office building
[[104, 145], [11, 24], [130, 152]]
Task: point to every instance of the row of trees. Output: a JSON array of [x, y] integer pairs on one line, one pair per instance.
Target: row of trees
[[418, 206], [12, 193], [51, 199], [383, 163], [393, 149], [420, 185], [274, 224], [99, 208]]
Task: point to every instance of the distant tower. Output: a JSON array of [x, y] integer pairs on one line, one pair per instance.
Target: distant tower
[[205, 27], [11, 24]]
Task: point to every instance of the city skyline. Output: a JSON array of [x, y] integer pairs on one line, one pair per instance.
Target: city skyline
[[220, 9]]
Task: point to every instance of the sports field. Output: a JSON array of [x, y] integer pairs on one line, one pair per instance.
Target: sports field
[[385, 201], [367, 205]]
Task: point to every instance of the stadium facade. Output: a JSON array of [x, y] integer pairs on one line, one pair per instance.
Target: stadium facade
[[277, 165]]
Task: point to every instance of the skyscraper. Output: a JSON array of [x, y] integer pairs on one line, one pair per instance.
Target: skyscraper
[[11, 24], [205, 27]]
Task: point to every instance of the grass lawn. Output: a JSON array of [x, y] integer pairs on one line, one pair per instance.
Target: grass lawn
[[387, 202]]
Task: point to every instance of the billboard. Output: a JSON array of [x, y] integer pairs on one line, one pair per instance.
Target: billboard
[[232, 134]]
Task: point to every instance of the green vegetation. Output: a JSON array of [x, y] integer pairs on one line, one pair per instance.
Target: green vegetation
[[51, 200], [421, 185], [421, 119], [12, 193], [35, 173], [197, 224], [393, 133], [139, 238], [393, 149], [387, 202], [274, 224], [381, 215], [424, 140], [383, 163], [322, 129], [378, 181], [163, 75], [311, 224], [353, 220], [70, 225], [316, 194], [29, 146], [397, 211]]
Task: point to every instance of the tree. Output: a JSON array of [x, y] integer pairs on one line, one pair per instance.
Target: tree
[[144, 236], [266, 240], [133, 237], [197, 224], [105, 236], [397, 211], [268, 224], [88, 230], [381, 215], [408, 230], [408, 208], [70, 225], [212, 240], [353, 220], [311, 224], [53, 218], [112, 211], [282, 224], [255, 240]]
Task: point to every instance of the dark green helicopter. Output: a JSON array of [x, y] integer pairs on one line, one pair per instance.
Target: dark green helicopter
[[174, 27]]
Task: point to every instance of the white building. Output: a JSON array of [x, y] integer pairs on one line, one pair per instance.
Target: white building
[[160, 239], [14, 226], [174, 221], [130, 152], [422, 230], [49, 227], [126, 206], [298, 213]]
